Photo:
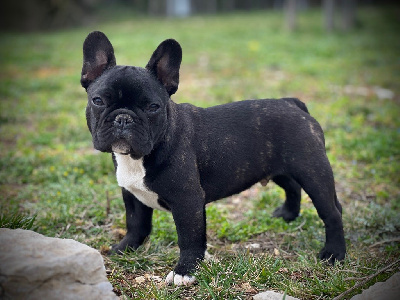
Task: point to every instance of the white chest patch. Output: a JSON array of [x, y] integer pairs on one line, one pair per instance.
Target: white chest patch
[[130, 175]]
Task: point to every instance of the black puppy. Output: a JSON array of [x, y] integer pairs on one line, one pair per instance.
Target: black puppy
[[178, 157]]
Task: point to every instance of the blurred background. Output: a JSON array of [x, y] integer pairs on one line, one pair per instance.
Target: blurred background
[[341, 57], [51, 14]]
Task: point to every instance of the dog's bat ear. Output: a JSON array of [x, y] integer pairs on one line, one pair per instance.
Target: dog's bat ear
[[98, 56], [165, 63]]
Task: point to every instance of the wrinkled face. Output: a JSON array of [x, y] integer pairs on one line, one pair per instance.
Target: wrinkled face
[[127, 111]]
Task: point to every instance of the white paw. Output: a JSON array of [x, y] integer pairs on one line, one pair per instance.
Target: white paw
[[177, 279]]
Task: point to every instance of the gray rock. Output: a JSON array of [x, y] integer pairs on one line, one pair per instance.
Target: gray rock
[[33, 266], [271, 295], [388, 290]]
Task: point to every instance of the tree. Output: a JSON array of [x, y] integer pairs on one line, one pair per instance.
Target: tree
[[45, 14], [157, 7], [348, 14], [329, 9], [204, 6], [179, 8], [290, 12]]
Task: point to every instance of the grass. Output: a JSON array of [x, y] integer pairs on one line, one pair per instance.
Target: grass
[[52, 181], [16, 221]]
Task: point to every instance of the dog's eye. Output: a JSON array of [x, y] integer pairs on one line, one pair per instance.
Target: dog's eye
[[153, 107], [97, 101]]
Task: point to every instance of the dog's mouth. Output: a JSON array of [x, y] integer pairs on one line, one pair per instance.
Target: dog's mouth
[[121, 146]]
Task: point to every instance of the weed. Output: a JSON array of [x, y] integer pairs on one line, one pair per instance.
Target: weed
[[16, 221]]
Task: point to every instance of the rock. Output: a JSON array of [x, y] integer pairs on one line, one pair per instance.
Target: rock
[[388, 290], [140, 279], [33, 266], [383, 93], [271, 295], [253, 246]]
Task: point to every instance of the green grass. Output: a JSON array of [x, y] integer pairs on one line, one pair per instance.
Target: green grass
[[16, 221], [53, 182]]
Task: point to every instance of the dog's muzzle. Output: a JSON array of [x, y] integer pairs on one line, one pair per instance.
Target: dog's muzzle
[[122, 122]]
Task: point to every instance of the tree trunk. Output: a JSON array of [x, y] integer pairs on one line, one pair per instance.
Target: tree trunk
[[278, 4], [290, 11], [348, 14], [227, 5], [178, 8], [211, 6], [157, 7], [329, 9]]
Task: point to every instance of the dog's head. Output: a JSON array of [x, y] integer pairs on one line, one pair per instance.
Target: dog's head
[[127, 110]]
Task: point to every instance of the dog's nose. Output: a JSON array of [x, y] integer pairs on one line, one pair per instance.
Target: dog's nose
[[122, 120]]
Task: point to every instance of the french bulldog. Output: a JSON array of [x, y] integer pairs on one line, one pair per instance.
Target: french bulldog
[[179, 157]]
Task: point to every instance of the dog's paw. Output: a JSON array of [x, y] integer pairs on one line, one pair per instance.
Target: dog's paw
[[119, 249], [114, 249], [176, 279], [283, 212], [127, 244], [331, 256]]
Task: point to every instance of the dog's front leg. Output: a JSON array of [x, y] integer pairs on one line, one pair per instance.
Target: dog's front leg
[[190, 221], [138, 223]]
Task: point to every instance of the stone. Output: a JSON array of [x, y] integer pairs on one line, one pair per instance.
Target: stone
[[140, 279], [271, 295], [388, 290], [33, 266], [253, 246]]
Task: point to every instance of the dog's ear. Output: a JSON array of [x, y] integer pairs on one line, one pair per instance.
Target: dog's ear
[[98, 56], [165, 63]]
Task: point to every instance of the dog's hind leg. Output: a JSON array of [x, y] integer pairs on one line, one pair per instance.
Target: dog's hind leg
[[291, 208], [338, 205], [318, 183]]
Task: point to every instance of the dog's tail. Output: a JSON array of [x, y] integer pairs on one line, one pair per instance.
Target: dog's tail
[[296, 102]]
